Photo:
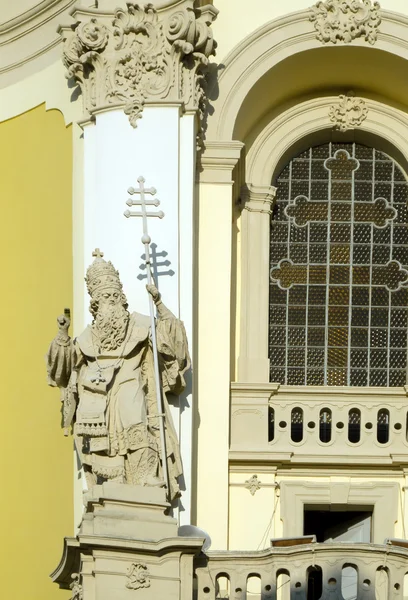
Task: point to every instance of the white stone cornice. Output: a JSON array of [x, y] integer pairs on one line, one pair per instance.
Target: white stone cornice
[[140, 56], [258, 198]]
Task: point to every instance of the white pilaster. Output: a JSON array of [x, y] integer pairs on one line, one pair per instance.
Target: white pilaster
[[162, 149]]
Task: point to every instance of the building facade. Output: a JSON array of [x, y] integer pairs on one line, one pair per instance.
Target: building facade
[[276, 138]]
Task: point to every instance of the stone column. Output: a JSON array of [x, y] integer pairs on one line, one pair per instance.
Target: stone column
[[253, 361], [141, 71], [220, 181]]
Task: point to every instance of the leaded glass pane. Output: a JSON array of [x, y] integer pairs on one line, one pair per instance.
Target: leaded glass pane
[[339, 269]]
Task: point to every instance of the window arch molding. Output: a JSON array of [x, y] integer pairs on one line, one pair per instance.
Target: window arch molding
[[271, 44], [303, 125]]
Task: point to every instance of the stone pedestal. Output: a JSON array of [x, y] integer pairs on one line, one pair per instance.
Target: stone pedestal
[[127, 511], [127, 543]]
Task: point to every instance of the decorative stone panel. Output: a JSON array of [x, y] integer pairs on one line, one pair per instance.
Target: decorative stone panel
[[350, 112], [346, 20], [140, 55]]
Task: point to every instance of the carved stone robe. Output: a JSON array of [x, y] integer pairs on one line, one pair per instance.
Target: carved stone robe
[[110, 397]]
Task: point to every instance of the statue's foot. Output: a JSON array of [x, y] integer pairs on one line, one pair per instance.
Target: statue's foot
[[152, 481]]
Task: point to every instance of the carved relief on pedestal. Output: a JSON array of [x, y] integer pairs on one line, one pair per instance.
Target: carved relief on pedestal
[[138, 55], [138, 576], [345, 20], [349, 113]]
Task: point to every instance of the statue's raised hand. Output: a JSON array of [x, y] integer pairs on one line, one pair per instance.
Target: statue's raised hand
[[63, 322], [154, 292]]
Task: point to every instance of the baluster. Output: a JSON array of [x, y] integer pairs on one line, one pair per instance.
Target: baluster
[[366, 581], [396, 581], [268, 582], [205, 584], [331, 581], [298, 583], [238, 586]]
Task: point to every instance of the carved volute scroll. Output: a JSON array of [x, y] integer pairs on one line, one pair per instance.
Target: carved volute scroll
[[346, 20], [139, 55]]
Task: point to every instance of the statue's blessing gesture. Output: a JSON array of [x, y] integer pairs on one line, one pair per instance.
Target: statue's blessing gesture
[[107, 382]]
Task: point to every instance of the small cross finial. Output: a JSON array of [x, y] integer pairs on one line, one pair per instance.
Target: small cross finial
[[97, 253]]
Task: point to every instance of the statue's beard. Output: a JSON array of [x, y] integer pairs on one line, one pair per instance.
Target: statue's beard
[[110, 326]]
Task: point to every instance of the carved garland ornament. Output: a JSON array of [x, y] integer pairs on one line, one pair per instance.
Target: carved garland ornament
[[345, 20], [138, 576], [135, 55], [349, 113]]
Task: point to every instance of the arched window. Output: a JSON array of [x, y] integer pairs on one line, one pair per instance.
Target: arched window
[[339, 269]]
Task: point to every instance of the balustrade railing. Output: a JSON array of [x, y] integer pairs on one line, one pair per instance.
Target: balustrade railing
[[332, 425], [305, 572]]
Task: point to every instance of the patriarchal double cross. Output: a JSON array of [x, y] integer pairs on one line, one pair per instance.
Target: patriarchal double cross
[[141, 201]]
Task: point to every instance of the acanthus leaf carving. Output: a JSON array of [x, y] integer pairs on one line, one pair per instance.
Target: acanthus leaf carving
[[345, 20], [138, 55], [349, 113]]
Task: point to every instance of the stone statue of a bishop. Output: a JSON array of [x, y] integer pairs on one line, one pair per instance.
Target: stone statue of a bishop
[[107, 383]]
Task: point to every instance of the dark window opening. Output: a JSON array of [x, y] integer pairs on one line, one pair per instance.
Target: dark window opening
[[330, 523], [354, 425], [271, 424], [314, 583], [383, 426], [296, 426]]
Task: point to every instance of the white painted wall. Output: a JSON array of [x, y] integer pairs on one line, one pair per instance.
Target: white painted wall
[[162, 149]]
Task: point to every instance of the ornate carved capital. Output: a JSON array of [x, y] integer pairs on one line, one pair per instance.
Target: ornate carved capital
[[258, 198], [345, 20], [349, 113], [140, 55]]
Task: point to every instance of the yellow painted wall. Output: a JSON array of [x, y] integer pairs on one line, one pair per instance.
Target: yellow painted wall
[[36, 464]]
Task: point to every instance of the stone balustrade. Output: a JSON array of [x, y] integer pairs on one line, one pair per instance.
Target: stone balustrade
[[309, 571], [319, 424]]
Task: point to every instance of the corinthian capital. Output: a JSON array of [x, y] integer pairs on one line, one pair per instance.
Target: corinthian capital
[[140, 55]]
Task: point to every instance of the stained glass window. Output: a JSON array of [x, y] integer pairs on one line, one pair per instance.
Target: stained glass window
[[339, 270]]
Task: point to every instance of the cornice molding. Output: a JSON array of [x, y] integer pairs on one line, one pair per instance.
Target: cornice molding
[[258, 198], [218, 160], [29, 41], [140, 55]]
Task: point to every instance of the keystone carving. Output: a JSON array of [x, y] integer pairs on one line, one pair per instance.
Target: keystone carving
[[138, 576], [349, 113], [139, 55], [345, 20]]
